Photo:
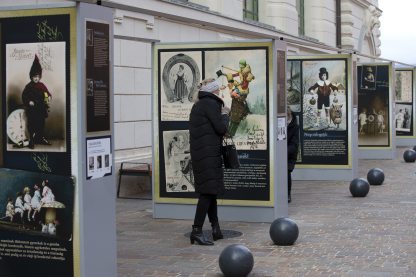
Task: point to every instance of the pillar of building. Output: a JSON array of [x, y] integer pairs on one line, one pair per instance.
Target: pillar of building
[[281, 14]]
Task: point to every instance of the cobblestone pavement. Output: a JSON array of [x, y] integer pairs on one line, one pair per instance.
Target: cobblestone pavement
[[338, 235]]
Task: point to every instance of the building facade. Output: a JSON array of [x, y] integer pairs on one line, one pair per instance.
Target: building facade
[[308, 27]]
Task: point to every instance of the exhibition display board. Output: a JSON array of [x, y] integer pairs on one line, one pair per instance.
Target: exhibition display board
[[404, 115], [37, 191], [55, 58], [247, 67], [319, 92], [375, 112]]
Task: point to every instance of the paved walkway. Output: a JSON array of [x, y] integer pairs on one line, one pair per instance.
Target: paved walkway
[[338, 235]]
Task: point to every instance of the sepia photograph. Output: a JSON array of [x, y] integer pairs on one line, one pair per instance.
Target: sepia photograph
[[404, 86], [403, 117], [368, 77], [373, 109], [36, 97]]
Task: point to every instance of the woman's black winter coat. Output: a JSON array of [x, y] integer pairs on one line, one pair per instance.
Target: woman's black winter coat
[[207, 127], [292, 143]]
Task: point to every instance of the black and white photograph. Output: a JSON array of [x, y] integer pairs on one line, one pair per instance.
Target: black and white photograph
[[178, 164], [90, 37], [373, 109], [90, 87], [404, 86], [324, 95], [35, 95], [403, 117], [180, 75], [368, 77], [294, 87]]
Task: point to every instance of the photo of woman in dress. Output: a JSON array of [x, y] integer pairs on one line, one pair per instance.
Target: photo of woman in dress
[[180, 91]]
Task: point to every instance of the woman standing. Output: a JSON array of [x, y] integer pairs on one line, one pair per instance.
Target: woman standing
[[208, 123], [180, 91]]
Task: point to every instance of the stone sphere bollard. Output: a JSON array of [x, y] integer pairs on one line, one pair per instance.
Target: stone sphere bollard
[[236, 260], [359, 187], [284, 231], [375, 176], [409, 156]]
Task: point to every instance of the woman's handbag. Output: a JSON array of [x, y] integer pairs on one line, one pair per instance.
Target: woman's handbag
[[229, 153]]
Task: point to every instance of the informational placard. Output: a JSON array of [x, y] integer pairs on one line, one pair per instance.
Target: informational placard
[[318, 94], [242, 70], [99, 157], [36, 81], [404, 117], [373, 105], [36, 224], [97, 91]]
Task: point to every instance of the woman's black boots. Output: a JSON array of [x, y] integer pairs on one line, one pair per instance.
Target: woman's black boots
[[216, 231], [198, 236]]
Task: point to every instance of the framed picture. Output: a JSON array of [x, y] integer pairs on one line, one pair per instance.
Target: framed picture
[[373, 107], [242, 73], [403, 118], [318, 93]]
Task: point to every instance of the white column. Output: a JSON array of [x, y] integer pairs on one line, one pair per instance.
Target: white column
[[320, 21], [281, 14]]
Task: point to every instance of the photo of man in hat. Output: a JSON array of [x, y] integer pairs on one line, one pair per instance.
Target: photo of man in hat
[[36, 98]]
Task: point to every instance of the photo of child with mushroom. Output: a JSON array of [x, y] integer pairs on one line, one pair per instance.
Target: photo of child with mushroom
[[36, 204]]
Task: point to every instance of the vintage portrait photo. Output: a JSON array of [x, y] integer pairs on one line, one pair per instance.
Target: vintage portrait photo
[[324, 95], [368, 77], [373, 109], [242, 75], [404, 86], [403, 117], [36, 97], [180, 74], [178, 164], [294, 86]]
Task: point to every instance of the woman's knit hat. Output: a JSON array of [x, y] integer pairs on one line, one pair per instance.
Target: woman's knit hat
[[210, 87]]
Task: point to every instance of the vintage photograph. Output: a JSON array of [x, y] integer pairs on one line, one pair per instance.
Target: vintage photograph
[[178, 164], [36, 204], [403, 117], [180, 74], [324, 95], [404, 86], [243, 77], [294, 86], [36, 97], [368, 77], [373, 109]]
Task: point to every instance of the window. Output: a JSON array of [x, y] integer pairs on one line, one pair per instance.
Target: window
[[251, 9], [300, 6]]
